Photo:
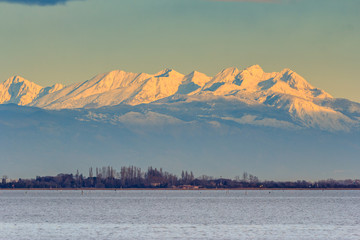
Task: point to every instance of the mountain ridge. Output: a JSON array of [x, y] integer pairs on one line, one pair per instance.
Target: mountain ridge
[[306, 105], [162, 84]]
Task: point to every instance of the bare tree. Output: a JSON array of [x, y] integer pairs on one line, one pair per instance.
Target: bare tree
[[245, 176]]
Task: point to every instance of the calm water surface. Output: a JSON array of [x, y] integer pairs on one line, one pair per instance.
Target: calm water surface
[[179, 215]]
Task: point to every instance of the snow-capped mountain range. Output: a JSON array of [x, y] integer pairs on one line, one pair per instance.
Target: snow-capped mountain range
[[266, 123], [304, 105]]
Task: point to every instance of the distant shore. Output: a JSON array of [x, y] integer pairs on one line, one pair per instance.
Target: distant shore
[[174, 189]]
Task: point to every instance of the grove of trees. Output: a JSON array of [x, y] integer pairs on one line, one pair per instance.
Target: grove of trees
[[134, 177]]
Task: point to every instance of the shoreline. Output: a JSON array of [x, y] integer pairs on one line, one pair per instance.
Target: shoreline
[[173, 189]]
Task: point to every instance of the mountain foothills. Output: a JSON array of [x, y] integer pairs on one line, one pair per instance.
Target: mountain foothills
[[243, 97]]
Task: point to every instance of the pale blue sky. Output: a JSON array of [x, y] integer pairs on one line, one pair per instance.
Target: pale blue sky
[[72, 42]]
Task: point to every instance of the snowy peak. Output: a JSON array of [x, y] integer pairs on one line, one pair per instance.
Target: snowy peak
[[109, 81], [229, 71], [161, 85], [168, 73], [192, 83], [289, 82], [15, 79], [255, 84], [56, 87], [251, 78], [48, 90], [197, 78], [294, 80], [255, 70], [18, 80], [18, 90], [226, 75]]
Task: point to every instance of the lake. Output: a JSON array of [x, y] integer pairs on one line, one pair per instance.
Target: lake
[[167, 214]]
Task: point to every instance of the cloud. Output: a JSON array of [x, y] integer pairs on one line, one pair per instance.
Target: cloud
[[258, 1], [267, 122], [37, 2]]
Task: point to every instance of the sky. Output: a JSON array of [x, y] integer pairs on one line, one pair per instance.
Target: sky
[[62, 41]]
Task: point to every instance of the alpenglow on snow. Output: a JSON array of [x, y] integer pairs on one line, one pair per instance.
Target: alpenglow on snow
[[304, 104]]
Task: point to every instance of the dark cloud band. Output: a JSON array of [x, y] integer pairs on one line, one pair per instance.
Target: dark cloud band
[[37, 2], [259, 1]]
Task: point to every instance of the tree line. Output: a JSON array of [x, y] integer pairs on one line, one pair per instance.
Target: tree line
[[134, 177]]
